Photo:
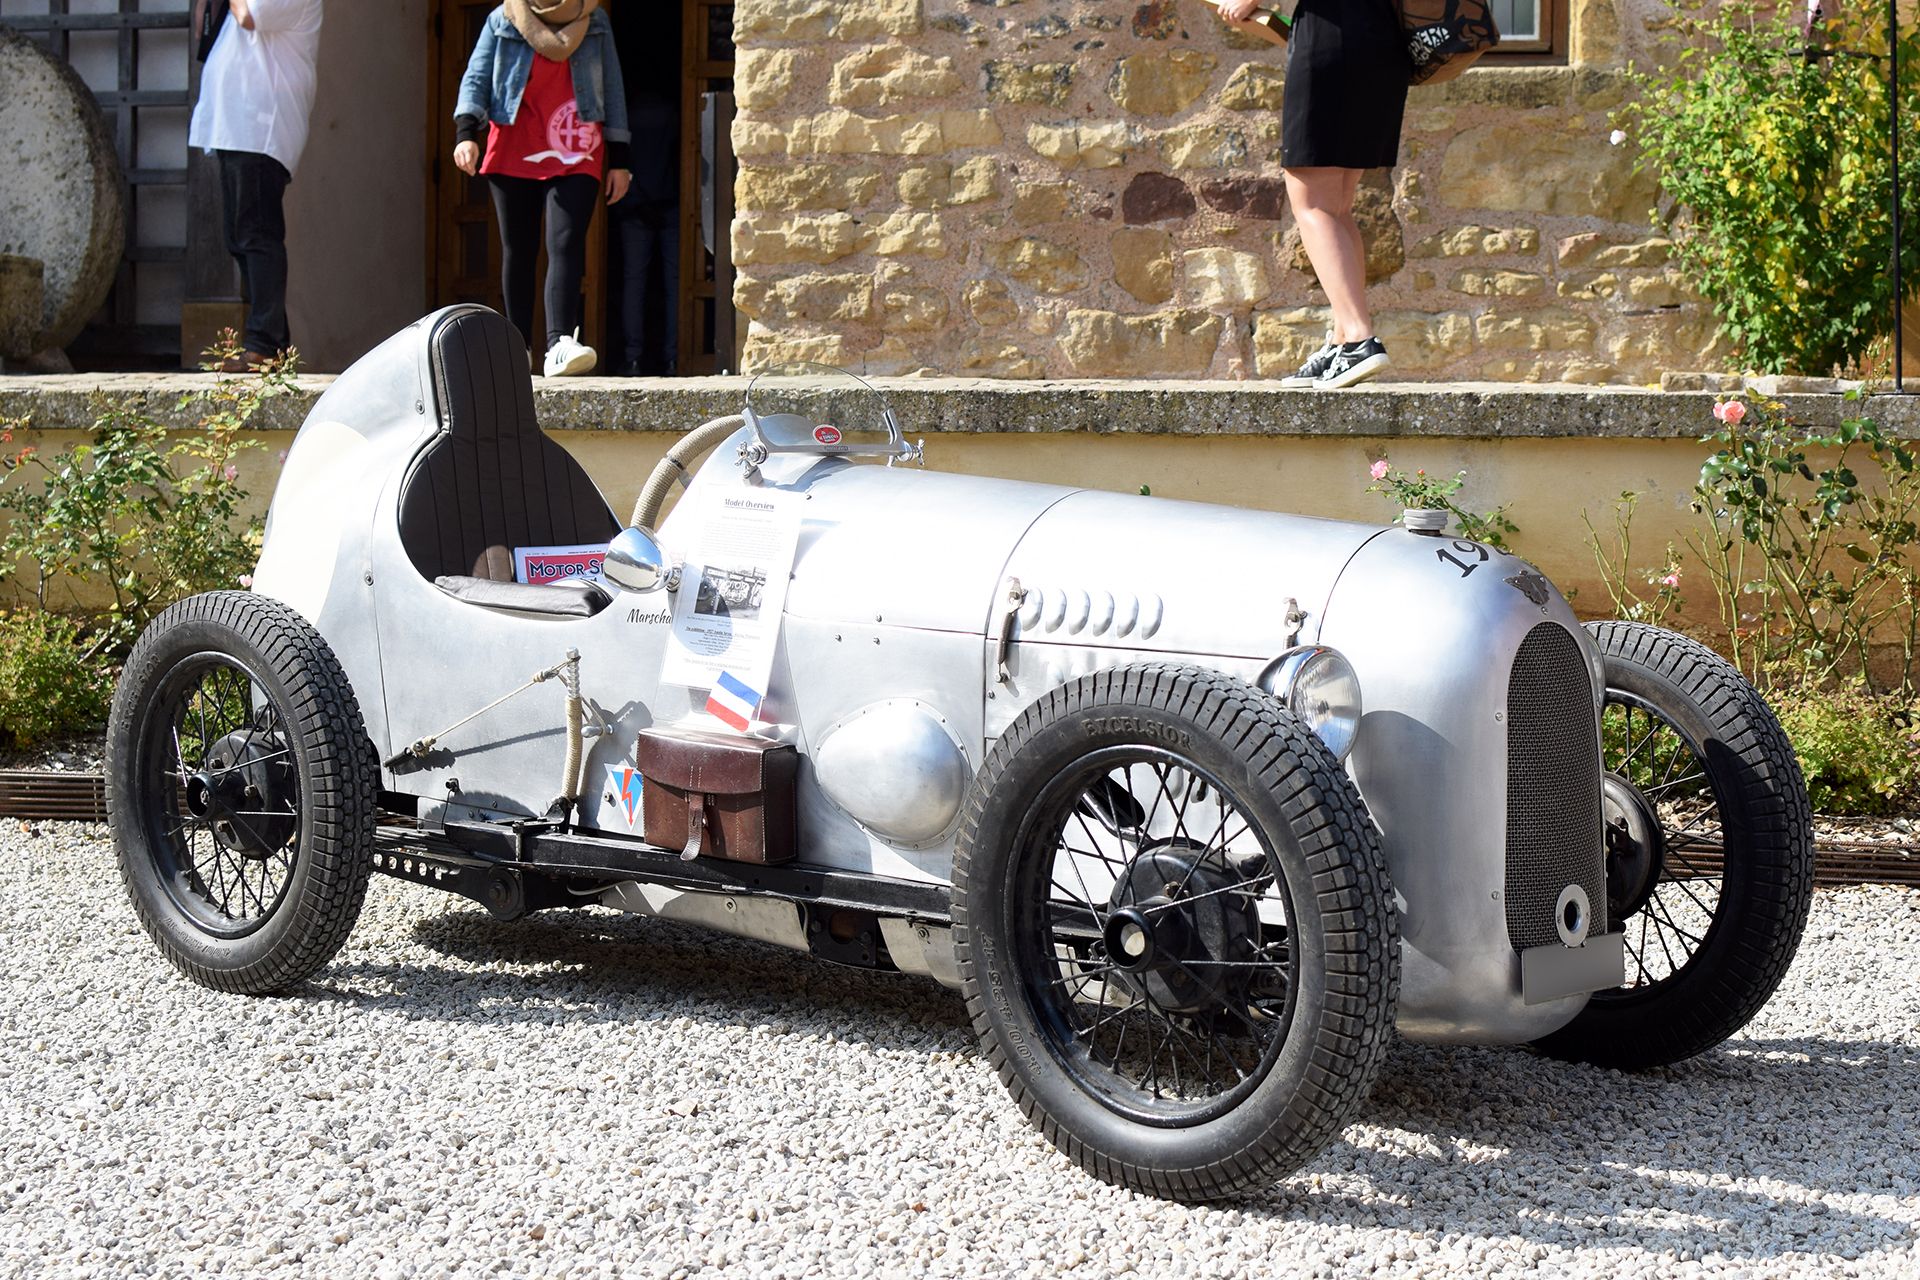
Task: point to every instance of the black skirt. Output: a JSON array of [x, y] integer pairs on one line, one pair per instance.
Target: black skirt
[[1346, 90]]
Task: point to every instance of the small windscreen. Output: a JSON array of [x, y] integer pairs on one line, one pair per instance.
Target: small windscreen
[[815, 405]]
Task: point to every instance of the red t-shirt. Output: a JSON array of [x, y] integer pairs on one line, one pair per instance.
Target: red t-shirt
[[547, 138]]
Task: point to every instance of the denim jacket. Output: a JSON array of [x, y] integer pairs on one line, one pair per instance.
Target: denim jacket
[[502, 61]]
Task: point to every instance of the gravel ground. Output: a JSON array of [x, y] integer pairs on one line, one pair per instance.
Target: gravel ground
[[582, 1093]]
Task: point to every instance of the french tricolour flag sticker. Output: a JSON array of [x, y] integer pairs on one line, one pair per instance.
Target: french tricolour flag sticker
[[733, 701]]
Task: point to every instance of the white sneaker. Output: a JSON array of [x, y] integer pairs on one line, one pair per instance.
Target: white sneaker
[[568, 358]]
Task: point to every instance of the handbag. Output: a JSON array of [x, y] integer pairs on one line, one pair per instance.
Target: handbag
[[1445, 37]]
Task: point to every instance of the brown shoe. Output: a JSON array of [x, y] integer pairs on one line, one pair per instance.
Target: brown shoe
[[245, 362]]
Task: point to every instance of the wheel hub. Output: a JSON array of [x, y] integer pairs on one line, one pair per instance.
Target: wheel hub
[[1177, 932], [1636, 846], [240, 794]]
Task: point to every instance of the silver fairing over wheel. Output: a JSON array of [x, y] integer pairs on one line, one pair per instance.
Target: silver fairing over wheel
[[1709, 852], [241, 790], [1175, 930]]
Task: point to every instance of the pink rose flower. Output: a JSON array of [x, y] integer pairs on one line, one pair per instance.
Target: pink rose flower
[[1731, 412], [231, 473], [246, 580], [1378, 470], [1671, 580]]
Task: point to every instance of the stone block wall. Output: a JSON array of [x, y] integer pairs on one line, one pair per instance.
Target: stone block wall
[[1092, 188]]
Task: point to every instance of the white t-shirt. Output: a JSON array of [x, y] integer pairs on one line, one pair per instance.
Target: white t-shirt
[[257, 88]]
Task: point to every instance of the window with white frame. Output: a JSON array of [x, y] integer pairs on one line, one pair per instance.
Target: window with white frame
[[1526, 26]]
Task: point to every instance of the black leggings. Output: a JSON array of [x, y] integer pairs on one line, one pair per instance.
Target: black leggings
[[568, 203]]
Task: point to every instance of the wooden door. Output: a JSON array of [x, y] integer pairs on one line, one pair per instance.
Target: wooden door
[[463, 244], [706, 66]]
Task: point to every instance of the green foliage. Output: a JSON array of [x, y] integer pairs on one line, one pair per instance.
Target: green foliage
[[50, 680], [1661, 598], [1859, 750], [1812, 568], [150, 521], [1422, 492], [1780, 169]]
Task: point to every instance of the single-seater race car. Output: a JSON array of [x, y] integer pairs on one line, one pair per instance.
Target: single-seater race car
[[1197, 806]]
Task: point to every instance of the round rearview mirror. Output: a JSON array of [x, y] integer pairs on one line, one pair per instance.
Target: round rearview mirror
[[634, 562]]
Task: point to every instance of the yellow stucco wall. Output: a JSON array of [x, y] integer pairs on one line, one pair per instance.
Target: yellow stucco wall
[[1548, 482]]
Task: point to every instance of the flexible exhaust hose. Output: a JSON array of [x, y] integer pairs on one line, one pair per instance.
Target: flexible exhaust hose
[[675, 465], [570, 779]]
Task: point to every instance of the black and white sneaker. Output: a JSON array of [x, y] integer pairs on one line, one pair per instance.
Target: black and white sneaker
[[1354, 362], [1316, 365]]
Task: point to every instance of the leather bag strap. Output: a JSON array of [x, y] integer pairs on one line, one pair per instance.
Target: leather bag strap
[[696, 825]]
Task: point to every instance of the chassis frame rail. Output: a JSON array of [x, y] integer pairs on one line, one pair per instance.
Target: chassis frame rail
[[514, 868]]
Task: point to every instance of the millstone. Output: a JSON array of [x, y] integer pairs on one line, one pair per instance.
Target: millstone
[[62, 202]]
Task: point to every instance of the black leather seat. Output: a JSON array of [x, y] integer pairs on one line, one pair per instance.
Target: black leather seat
[[493, 480]]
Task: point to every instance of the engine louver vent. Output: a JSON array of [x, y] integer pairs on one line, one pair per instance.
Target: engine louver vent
[[1553, 787]]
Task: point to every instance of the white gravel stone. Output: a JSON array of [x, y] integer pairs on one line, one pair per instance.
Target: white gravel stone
[[585, 1094]]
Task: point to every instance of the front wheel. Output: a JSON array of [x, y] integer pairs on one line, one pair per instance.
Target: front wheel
[[1175, 931], [241, 789], [1709, 852]]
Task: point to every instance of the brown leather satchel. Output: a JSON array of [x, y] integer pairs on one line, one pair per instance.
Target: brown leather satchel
[[718, 794]]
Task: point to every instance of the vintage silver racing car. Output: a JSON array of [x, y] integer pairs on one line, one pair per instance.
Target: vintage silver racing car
[[1193, 853]]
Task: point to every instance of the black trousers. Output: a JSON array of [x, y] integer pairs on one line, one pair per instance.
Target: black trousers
[[649, 251], [251, 190], [567, 203]]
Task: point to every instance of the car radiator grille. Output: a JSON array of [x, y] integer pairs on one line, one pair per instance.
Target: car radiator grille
[[1553, 787]]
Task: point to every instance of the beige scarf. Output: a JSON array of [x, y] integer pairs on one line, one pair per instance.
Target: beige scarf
[[554, 28]]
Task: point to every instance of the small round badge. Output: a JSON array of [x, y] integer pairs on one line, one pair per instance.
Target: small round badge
[[827, 435]]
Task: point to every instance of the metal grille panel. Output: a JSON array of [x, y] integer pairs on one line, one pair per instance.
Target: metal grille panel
[[1553, 787]]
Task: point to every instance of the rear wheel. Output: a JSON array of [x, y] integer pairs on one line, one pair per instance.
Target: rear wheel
[[1709, 852], [241, 789], [1175, 931]]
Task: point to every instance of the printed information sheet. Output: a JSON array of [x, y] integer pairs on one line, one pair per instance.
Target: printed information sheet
[[733, 587]]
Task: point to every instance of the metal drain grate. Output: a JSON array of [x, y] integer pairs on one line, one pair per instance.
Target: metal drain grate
[[67, 797]]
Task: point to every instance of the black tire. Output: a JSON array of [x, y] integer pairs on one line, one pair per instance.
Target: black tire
[[1710, 852], [1304, 1030], [241, 790]]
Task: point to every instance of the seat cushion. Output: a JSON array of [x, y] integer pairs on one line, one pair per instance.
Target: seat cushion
[[492, 480], [570, 599]]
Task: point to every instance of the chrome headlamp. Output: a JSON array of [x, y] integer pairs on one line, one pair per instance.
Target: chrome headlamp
[[1318, 685]]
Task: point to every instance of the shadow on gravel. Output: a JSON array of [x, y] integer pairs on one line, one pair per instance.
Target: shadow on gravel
[[594, 967], [1810, 1113]]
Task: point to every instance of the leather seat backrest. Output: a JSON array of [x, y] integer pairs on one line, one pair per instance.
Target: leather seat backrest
[[492, 480]]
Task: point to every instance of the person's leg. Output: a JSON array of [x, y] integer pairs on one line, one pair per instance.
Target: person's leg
[[516, 207], [670, 284], [1322, 200], [253, 189], [570, 202], [636, 254]]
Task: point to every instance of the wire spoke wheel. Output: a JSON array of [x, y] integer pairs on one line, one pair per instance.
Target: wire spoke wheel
[[220, 794], [1665, 846], [1709, 852], [241, 789], [1174, 930], [1157, 940]]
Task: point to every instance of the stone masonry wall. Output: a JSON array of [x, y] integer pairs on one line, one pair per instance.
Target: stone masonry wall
[[1092, 188]]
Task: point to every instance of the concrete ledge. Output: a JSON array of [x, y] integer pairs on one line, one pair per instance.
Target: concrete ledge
[[977, 406]]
